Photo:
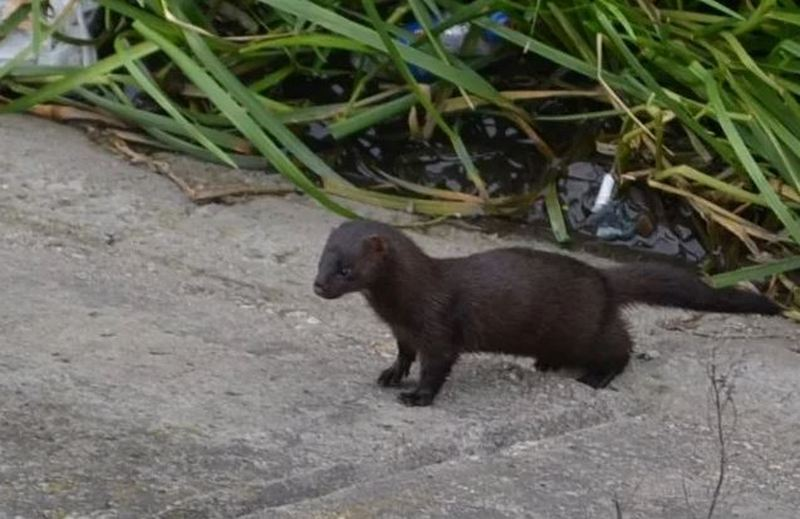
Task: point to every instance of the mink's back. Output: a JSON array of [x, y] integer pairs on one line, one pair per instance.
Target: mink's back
[[527, 302]]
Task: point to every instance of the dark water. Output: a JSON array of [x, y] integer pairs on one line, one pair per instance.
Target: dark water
[[643, 221], [507, 164]]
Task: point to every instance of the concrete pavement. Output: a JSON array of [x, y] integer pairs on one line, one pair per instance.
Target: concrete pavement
[[163, 359]]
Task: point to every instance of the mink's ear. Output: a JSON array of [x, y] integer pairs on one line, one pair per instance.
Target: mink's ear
[[377, 244]]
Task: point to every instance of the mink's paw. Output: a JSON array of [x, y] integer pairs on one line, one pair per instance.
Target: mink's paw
[[392, 376], [597, 379], [416, 398], [389, 377]]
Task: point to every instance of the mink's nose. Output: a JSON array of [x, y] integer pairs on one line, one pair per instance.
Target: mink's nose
[[319, 288]]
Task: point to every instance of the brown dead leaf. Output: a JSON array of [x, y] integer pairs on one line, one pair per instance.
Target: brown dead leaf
[[64, 113]]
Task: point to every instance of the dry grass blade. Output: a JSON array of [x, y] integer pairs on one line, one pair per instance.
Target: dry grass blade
[[70, 113], [730, 218]]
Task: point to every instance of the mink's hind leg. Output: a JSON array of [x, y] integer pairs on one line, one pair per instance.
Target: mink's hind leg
[[434, 370], [394, 374], [599, 378], [546, 365], [609, 356]]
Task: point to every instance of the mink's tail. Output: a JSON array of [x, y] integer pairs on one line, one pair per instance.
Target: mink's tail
[[665, 285]]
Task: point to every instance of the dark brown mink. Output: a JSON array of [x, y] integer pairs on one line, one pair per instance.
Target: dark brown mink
[[519, 301]]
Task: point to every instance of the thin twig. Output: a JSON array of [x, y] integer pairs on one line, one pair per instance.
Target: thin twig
[[610, 91], [617, 506], [689, 506], [722, 396]]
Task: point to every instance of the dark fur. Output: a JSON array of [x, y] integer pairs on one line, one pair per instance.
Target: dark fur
[[554, 308]]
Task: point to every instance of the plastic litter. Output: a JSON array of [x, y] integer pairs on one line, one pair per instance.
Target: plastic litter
[[53, 52], [604, 194], [453, 40], [614, 219]]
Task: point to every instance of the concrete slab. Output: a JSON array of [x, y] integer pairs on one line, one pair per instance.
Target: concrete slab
[[162, 359]]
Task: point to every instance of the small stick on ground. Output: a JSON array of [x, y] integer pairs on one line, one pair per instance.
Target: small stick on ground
[[721, 397], [689, 506], [617, 507]]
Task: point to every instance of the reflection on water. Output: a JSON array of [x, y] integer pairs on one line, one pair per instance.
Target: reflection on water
[[509, 163], [641, 218]]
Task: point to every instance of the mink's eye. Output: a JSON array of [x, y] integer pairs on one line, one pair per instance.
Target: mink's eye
[[345, 272]]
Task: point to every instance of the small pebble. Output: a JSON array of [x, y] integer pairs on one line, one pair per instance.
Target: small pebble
[[648, 355]]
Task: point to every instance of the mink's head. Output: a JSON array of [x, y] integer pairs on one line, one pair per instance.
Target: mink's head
[[353, 259]]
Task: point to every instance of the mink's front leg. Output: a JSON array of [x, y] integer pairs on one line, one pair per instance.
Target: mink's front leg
[[434, 369], [394, 374]]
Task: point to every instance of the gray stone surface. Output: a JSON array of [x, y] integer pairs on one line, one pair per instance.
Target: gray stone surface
[[161, 359]]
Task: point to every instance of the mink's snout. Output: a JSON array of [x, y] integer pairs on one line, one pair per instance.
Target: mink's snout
[[324, 290], [319, 288]]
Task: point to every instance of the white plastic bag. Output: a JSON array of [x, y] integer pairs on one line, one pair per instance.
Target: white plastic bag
[[52, 51]]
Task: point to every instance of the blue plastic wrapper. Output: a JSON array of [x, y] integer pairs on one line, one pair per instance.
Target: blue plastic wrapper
[[453, 38]]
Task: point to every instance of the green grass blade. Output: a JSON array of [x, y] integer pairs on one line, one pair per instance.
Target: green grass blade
[[785, 17], [128, 10], [745, 157], [272, 79], [758, 15], [755, 272], [336, 23], [551, 53], [554, 213], [29, 71], [423, 17], [78, 78], [37, 22], [121, 45], [617, 14], [530, 44], [407, 204], [768, 123], [600, 114], [371, 116], [148, 119], [13, 20], [240, 117], [174, 143], [260, 114], [328, 41], [784, 159], [402, 67], [720, 186], [580, 44], [747, 60], [723, 9], [657, 90], [432, 192]]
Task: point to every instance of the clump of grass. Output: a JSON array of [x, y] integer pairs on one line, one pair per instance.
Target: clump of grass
[[706, 96]]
